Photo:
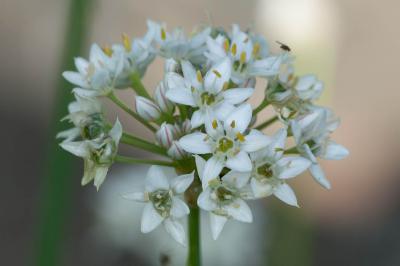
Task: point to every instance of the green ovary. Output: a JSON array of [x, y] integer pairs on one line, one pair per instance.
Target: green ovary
[[225, 144], [162, 201]]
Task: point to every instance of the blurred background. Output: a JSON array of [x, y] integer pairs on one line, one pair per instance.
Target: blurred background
[[47, 218]]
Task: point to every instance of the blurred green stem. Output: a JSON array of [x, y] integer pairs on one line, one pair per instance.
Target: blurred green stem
[[138, 87], [267, 123], [130, 160], [194, 258], [262, 105], [58, 165], [142, 144]]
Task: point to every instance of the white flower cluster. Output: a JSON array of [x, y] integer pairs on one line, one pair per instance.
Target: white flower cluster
[[202, 122]]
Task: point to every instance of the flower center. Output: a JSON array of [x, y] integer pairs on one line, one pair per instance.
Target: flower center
[[162, 201], [265, 171], [224, 195], [225, 144], [207, 98]]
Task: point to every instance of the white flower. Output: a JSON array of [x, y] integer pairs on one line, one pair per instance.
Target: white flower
[[161, 99], [311, 132], [147, 109], [210, 95], [98, 154], [248, 54], [163, 203], [224, 199], [177, 46], [227, 142], [271, 169], [98, 75]]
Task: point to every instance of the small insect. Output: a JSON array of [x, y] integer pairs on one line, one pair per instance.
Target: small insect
[[284, 46]]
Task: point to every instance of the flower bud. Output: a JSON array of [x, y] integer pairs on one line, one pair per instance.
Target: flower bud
[[166, 135], [176, 151], [147, 109], [161, 100], [170, 65], [183, 128]]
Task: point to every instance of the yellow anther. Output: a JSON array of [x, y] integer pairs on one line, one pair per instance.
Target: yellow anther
[[199, 76], [234, 49], [163, 34], [226, 85], [226, 45], [243, 57], [192, 89], [214, 124], [233, 124], [256, 48], [127, 42], [217, 73], [107, 50], [240, 137]]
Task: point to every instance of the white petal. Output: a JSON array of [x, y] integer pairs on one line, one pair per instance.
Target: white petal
[[291, 166], [241, 116], [210, 122], [237, 95], [150, 218], [237, 179], [266, 67], [260, 189], [285, 193], [176, 230], [75, 78], [136, 196], [78, 148], [240, 162], [179, 208], [319, 176], [240, 211], [305, 82], [212, 169], [197, 119], [335, 151], [223, 109], [217, 223], [182, 182], [100, 176], [200, 164], [195, 143], [205, 202], [217, 76], [189, 72], [181, 95], [116, 131], [81, 64], [254, 141], [156, 179]]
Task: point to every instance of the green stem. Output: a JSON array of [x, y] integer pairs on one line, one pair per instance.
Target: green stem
[[267, 123], [138, 87], [130, 160], [142, 144], [194, 256], [262, 105], [122, 105], [292, 150]]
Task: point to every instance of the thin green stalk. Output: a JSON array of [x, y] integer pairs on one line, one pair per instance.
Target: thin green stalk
[[194, 256], [262, 105], [138, 87], [56, 182], [142, 144], [292, 150], [122, 105], [183, 111], [267, 123], [130, 160]]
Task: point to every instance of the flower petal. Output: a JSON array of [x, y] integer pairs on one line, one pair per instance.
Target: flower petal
[[237, 179], [291, 166], [205, 202], [217, 76], [266, 67], [285, 193], [200, 164], [182, 182], [195, 143], [223, 109], [181, 95], [212, 169], [77, 148], [260, 189], [75, 78], [217, 223], [150, 218], [240, 162], [100, 176], [136, 196], [334, 151], [240, 211], [156, 179], [254, 141], [197, 119], [179, 208], [319, 175], [176, 230], [189, 72], [242, 117], [237, 95]]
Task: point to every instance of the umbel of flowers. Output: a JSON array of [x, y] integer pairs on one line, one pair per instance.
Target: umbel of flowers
[[201, 122]]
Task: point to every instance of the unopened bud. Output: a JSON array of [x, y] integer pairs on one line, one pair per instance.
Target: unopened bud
[[166, 135], [176, 151], [147, 109], [171, 65], [162, 101]]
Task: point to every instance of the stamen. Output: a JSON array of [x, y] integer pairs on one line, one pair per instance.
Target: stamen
[[226, 85], [217, 73], [243, 57], [226, 45], [233, 124], [163, 34], [214, 124], [107, 50], [256, 48], [127, 42], [240, 137], [234, 49], [199, 76]]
